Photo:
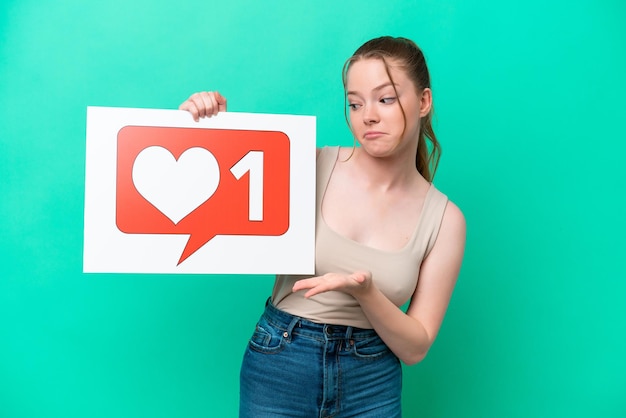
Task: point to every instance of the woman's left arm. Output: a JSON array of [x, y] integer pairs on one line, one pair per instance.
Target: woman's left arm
[[408, 335]]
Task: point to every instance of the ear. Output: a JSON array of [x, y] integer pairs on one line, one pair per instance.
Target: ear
[[426, 102]]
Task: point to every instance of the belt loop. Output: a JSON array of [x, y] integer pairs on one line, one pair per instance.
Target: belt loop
[[348, 333], [348, 337]]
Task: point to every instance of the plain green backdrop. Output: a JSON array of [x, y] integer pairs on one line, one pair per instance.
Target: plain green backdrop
[[529, 98]]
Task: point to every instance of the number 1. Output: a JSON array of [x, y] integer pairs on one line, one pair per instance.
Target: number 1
[[252, 162]]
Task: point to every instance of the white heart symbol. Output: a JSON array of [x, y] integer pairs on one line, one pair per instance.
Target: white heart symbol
[[176, 188]]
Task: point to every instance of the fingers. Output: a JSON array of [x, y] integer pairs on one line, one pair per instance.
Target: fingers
[[190, 107], [361, 276], [314, 291], [314, 285], [221, 101], [204, 104], [305, 284], [354, 283], [321, 284]]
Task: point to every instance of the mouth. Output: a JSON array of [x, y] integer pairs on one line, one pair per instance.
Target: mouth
[[373, 134]]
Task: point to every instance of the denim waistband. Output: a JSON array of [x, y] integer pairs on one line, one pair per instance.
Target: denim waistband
[[292, 323]]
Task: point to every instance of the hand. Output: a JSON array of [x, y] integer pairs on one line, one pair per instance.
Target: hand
[[204, 104], [353, 284]]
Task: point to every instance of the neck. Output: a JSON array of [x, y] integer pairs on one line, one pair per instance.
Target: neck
[[387, 173]]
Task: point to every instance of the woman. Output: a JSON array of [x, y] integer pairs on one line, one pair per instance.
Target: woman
[[331, 345]]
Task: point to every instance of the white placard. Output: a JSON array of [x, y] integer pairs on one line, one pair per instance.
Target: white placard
[[234, 193]]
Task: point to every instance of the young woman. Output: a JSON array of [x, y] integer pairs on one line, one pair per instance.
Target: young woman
[[331, 345]]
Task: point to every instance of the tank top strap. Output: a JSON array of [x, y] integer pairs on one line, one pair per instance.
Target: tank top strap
[[432, 215], [325, 164]]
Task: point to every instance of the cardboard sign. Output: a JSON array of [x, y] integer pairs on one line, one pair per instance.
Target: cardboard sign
[[230, 194]]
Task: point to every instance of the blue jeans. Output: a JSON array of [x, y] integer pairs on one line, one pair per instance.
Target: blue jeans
[[296, 368]]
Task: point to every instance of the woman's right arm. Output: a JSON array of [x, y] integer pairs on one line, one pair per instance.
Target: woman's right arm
[[204, 104]]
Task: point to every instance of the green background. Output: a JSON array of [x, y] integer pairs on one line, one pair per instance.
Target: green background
[[529, 98]]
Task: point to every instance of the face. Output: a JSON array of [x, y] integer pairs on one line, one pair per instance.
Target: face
[[374, 107]]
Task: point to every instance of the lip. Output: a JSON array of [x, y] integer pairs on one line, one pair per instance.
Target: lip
[[373, 134]]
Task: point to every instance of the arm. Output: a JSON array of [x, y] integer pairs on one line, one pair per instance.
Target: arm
[[408, 335]]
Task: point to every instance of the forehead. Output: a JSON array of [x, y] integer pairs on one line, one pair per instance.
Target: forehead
[[371, 72]]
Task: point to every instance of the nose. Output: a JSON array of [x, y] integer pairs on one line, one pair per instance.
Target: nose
[[370, 115]]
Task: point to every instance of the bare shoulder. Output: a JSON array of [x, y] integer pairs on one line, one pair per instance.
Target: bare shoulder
[[453, 218], [450, 243]]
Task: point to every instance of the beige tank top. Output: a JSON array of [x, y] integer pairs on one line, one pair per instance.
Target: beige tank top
[[395, 273]]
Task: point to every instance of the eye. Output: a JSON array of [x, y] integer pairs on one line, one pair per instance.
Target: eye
[[354, 106], [388, 100]]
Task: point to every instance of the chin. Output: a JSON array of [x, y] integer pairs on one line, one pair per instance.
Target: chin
[[379, 150]]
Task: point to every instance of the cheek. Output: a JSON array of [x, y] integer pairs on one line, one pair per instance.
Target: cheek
[[395, 117], [353, 120], [413, 127], [399, 117], [391, 112]]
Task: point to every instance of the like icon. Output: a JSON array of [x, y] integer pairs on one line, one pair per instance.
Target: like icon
[[202, 182], [233, 194]]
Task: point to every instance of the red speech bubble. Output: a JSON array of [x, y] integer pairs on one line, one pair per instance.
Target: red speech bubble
[[202, 182]]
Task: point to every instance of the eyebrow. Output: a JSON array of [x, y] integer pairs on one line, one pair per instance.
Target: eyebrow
[[382, 86]]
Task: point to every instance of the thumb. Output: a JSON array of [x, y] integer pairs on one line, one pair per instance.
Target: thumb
[[360, 276], [221, 102]]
